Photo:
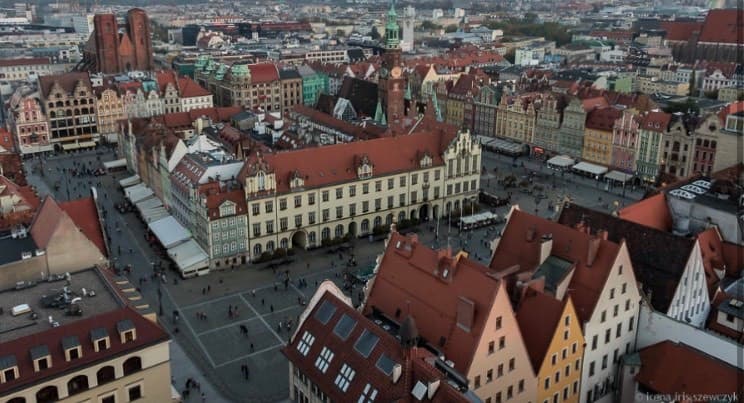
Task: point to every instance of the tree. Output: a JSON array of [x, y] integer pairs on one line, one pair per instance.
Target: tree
[[430, 26], [374, 34], [530, 18], [450, 28]]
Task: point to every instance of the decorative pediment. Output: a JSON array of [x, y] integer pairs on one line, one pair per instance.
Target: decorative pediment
[[296, 180], [364, 166], [425, 159]]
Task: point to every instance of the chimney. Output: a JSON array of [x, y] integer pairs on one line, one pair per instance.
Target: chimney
[[432, 388], [592, 250], [546, 246], [397, 371], [465, 313]]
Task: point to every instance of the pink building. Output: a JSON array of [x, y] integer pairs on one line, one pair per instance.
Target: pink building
[[624, 137]]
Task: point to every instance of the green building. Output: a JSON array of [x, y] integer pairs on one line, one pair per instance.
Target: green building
[[314, 83]]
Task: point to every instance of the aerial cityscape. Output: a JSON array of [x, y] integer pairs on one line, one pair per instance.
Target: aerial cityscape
[[362, 201]]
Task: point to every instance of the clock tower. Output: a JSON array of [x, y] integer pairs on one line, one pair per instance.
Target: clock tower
[[391, 85]]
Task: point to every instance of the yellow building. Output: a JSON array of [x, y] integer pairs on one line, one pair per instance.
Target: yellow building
[[555, 343], [516, 118], [598, 135], [110, 110]]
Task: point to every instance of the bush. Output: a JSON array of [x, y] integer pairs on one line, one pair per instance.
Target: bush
[[279, 253], [380, 230], [265, 257]]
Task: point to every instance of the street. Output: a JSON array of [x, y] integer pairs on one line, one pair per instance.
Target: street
[[243, 316]]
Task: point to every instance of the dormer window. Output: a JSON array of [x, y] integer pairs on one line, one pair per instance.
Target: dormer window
[[426, 161], [8, 368], [261, 181], [41, 358], [99, 337], [72, 348], [127, 331], [364, 169]]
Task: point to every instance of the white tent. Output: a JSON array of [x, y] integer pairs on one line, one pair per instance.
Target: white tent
[[150, 203], [561, 161], [189, 257], [138, 192], [587, 167], [120, 163], [154, 214], [130, 181], [169, 231], [618, 176]]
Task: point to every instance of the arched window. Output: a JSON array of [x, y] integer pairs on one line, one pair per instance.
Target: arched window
[[389, 219], [261, 181], [339, 232], [378, 221], [47, 395], [270, 246], [257, 250], [132, 365], [105, 375], [284, 243], [311, 238], [325, 234], [365, 226], [77, 385], [401, 216]]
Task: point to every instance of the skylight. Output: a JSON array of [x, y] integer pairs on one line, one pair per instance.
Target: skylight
[[324, 360], [345, 376], [325, 312], [366, 343], [385, 364], [344, 326]]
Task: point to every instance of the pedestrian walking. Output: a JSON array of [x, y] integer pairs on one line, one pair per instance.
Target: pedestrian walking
[[272, 308]]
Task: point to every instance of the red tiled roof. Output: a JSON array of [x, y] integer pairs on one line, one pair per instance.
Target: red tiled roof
[[603, 119], [215, 200], [148, 334], [568, 243], [656, 121], [727, 69], [165, 77], [732, 108], [263, 73], [25, 61], [67, 81], [675, 368], [359, 132], [7, 142], [593, 103], [46, 222], [411, 280], [680, 30], [322, 166], [85, 215], [721, 26], [416, 363], [13, 168], [652, 212], [188, 88], [538, 316]]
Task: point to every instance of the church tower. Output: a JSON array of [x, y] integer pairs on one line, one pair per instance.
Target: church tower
[[391, 84]]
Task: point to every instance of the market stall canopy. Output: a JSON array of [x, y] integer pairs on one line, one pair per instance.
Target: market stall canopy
[[138, 193], [130, 181], [593, 169], [189, 257], [618, 176], [121, 163], [561, 161], [169, 231]]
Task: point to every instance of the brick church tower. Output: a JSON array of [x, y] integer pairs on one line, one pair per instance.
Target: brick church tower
[[139, 35], [391, 84], [111, 52], [106, 37]]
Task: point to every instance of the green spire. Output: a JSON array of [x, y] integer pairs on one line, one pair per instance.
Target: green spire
[[380, 115], [392, 30], [407, 96], [435, 105]]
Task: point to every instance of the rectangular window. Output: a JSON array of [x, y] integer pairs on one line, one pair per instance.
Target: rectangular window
[[491, 347], [489, 376], [547, 383], [256, 229], [498, 322], [324, 196], [256, 208], [365, 188], [390, 202], [365, 206], [378, 186], [282, 204], [326, 214], [135, 393], [402, 200], [511, 364], [298, 201], [283, 224], [402, 181], [630, 325], [339, 212], [608, 334], [520, 386], [591, 368], [390, 183], [378, 204], [414, 179], [436, 175], [339, 193], [413, 197], [594, 342], [352, 190], [502, 342], [476, 382], [604, 361], [577, 364], [311, 217], [269, 206], [298, 220], [311, 199], [627, 305], [619, 330]]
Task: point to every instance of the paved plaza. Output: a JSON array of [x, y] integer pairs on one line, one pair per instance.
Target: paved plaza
[[244, 316]]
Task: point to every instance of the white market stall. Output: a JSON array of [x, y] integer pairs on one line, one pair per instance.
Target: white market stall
[[478, 220], [130, 181], [138, 192], [190, 258], [618, 176], [561, 162], [154, 214], [169, 231], [115, 165], [587, 168]]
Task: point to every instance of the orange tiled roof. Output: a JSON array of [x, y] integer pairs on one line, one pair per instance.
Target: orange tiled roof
[[538, 316], [429, 285], [680, 30], [84, 214], [652, 212], [722, 26]]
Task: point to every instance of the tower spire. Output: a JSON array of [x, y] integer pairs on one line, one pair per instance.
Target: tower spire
[[380, 115], [392, 30]]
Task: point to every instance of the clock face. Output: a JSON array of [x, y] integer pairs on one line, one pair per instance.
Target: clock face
[[395, 72]]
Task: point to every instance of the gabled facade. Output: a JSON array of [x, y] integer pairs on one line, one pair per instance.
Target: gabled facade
[[516, 118], [70, 104], [485, 106], [460, 311], [650, 142], [547, 125], [596, 273], [554, 340], [571, 133], [624, 141], [110, 110], [29, 124]]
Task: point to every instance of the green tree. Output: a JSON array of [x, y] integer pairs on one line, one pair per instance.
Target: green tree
[[429, 26], [530, 18], [450, 28], [340, 33]]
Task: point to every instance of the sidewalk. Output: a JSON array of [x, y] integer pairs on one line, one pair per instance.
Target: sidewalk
[[183, 368]]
